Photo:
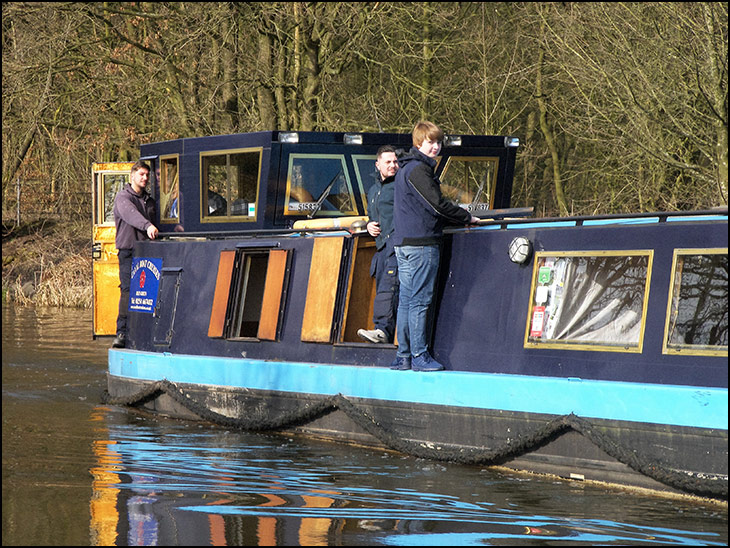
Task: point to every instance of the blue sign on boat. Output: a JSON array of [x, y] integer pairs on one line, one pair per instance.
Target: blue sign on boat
[[145, 283]]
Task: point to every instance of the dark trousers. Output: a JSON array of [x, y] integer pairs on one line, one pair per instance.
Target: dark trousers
[[384, 268], [125, 275]]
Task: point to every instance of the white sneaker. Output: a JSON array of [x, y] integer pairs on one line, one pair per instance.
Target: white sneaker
[[374, 336]]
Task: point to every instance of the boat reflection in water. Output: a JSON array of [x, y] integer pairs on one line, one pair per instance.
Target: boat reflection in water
[[163, 482]]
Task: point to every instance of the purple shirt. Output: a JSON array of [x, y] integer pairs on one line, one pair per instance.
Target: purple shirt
[[133, 214]]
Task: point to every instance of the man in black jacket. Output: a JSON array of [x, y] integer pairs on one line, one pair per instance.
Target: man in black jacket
[[134, 210], [384, 267]]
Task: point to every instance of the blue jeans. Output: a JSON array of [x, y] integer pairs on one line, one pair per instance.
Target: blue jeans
[[418, 268]]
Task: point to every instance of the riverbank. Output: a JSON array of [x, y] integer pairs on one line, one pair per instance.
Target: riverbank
[[47, 263]]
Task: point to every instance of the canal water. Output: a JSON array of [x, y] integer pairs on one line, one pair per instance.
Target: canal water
[[76, 472]]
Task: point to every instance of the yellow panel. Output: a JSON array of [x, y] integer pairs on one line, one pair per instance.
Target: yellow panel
[[106, 296], [125, 167], [322, 289], [103, 233], [273, 289], [217, 321], [105, 271]]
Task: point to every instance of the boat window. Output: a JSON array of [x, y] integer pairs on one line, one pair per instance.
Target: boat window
[[169, 190], [589, 300], [249, 293], [470, 182], [319, 184], [697, 309], [229, 184], [366, 173], [111, 184]]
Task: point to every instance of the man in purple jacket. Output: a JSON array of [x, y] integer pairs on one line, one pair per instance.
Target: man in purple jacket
[[134, 210]]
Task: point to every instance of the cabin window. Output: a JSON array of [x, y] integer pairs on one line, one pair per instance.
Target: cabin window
[[230, 184], [366, 173], [589, 300], [319, 185], [697, 309], [249, 292], [470, 182], [110, 185], [169, 190]]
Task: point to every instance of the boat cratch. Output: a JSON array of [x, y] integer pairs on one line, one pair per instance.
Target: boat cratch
[[589, 347]]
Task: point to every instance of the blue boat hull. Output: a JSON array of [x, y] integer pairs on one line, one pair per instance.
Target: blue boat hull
[[575, 429]]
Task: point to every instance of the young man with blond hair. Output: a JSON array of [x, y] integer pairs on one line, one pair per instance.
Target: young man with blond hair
[[420, 213]]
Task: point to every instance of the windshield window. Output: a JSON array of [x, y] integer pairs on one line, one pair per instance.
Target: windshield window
[[319, 185], [470, 182]]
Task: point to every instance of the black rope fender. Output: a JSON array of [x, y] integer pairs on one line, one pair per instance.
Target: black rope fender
[[711, 487]]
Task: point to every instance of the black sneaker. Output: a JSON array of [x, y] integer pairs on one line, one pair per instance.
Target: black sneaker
[[401, 363], [425, 362], [120, 341]]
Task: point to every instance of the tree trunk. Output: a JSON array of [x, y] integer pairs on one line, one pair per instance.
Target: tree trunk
[[264, 94], [718, 96], [229, 72], [550, 137]]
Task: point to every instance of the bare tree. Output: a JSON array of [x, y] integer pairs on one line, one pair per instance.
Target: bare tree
[[618, 106], [644, 84]]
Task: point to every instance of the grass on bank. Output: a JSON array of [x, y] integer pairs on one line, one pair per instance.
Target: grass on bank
[[47, 263]]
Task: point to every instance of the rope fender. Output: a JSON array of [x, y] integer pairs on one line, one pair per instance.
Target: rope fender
[[701, 486]]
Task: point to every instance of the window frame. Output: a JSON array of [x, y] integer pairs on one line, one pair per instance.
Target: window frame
[[492, 184], [635, 348], [360, 175], [162, 161], [101, 195], [229, 304], [688, 349], [203, 186]]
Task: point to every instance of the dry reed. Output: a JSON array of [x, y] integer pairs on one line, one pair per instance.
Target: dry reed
[[66, 284]]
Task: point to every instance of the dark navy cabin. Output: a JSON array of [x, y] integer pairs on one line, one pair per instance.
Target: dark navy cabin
[[267, 180]]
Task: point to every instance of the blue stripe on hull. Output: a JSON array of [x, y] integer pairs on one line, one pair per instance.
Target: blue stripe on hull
[[623, 401]]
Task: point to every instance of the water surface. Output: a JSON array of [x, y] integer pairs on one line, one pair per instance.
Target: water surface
[[76, 472]]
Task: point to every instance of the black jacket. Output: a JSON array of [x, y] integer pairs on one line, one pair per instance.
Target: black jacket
[[380, 208], [421, 211]]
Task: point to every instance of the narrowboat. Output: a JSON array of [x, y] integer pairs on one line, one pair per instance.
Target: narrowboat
[[592, 348]]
